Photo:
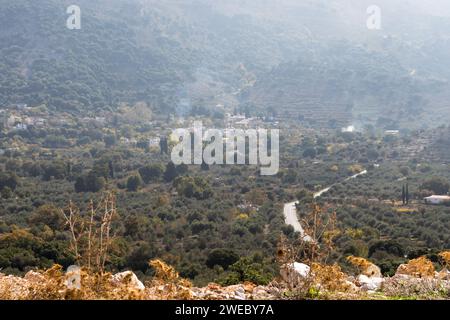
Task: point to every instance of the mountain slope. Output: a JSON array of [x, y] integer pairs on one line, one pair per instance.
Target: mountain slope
[[322, 55]]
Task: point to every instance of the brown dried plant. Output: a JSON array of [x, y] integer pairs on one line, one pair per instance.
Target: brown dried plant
[[317, 242], [90, 243], [168, 284], [364, 266], [361, 263], [445, 256], [330, 277], [314, 249], [420, 268], [444, 274], [320, 228], [90, 232], [286, 251], [163, 271], [52, 284]]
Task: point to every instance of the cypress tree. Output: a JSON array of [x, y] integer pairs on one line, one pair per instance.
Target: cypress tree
[[403, 194], [407, 194]]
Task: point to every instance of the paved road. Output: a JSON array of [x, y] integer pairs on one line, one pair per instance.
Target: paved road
[[290, 212], [290, 216]]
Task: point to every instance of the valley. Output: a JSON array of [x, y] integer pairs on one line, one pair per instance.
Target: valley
[[358, 119]]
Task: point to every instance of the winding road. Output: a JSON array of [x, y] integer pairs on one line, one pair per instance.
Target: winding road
[[290, 212]]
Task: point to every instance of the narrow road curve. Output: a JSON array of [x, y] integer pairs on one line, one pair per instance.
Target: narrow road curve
[[290, 212]]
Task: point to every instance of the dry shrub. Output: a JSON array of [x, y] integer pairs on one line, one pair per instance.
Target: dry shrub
[[286, 251], [93, 286], [55, 284], [167, 284], [90, 232], [163, 271], [91, 239], [419, 268], [329, 278], [12, 288], [50, 286], [361, 263], [321, 227], [317, 243], [322, 282], [445, 256], [365, 266]]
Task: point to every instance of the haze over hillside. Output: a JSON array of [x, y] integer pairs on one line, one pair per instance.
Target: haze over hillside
[[342, 158], [237, 53]]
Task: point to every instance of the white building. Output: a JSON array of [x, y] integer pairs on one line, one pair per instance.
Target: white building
[[154, 142], [21, 126], [437, 199], [392, 132], [100, 120], [348, 129]]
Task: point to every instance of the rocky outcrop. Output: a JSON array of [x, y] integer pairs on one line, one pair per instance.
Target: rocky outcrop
[[246, 291], [127, 278], [294, 276], [410, 286], [17, 288]]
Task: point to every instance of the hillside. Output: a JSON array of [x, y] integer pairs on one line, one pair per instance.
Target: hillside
[[87, 130], [204, 54], [138, 51]]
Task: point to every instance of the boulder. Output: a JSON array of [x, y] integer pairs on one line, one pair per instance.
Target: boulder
[[73, 277], [127, 278], [294, 273], [369, 283], [302, 269], [373, 271], [239, 293]]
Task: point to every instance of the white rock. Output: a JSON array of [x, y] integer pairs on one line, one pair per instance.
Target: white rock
[[133, 279], [369, 284], [73, 277], [302, 269], [239, 295], [293, 273]]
